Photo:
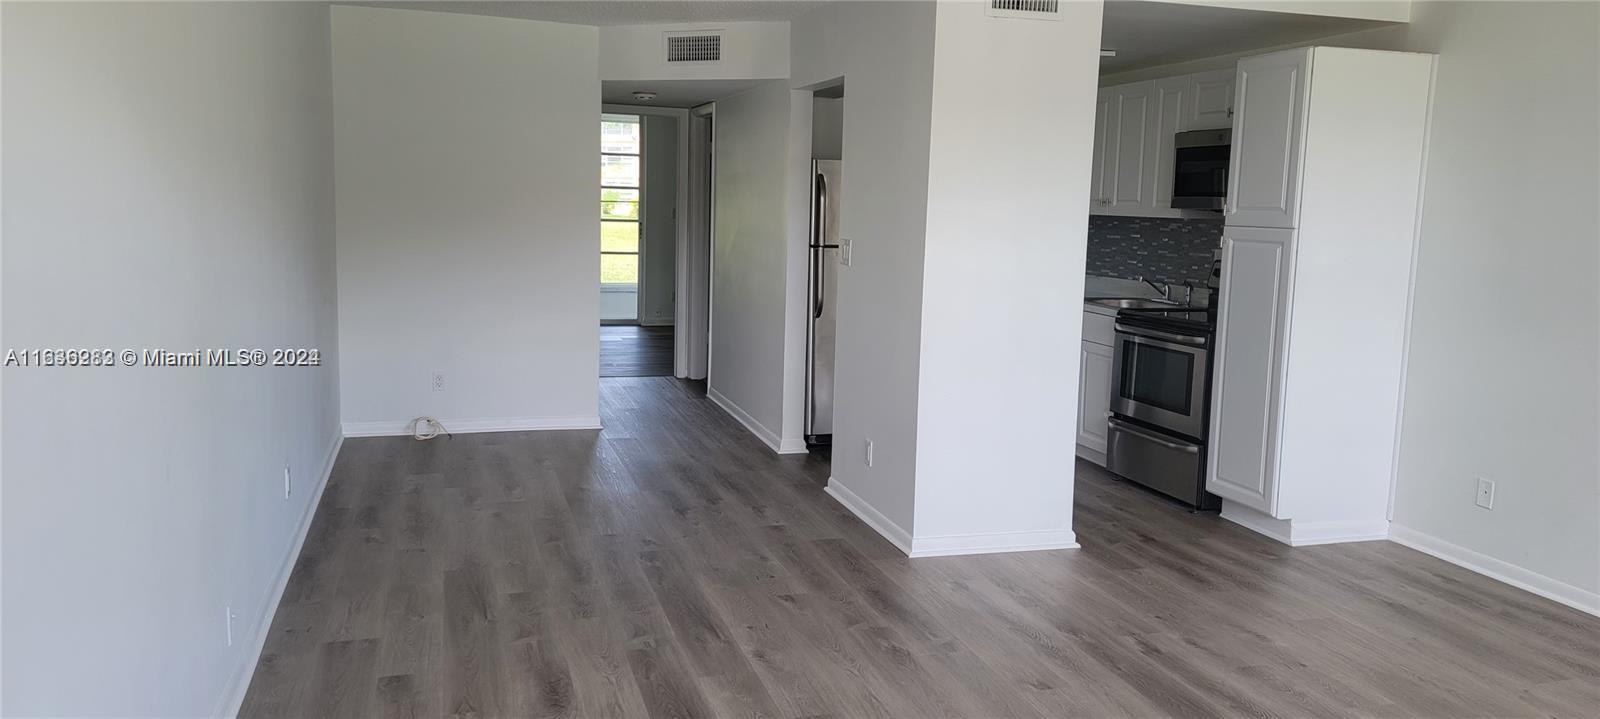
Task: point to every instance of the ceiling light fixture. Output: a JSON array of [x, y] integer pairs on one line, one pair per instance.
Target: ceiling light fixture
[[644, 96]]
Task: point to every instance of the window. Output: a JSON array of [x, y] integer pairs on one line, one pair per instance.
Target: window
[[619, 199]]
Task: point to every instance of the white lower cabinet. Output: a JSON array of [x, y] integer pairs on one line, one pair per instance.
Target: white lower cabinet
[[1094, 399]]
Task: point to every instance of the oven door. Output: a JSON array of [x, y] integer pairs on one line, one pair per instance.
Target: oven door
[[1159, 378]]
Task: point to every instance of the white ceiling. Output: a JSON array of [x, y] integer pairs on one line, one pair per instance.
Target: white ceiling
[[673, 93], [620, 12], [1147, 34]]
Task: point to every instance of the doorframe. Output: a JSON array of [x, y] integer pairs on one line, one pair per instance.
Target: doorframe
[[680, 201], [692, 340]]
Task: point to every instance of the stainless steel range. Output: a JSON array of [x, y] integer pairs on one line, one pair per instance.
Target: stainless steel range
[[1160, 401]]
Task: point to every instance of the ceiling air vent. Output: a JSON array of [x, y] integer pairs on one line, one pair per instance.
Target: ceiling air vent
[[1026, 9], [696, 46]]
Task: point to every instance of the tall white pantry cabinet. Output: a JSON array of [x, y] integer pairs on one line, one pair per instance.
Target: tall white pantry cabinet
[[1321, 217]]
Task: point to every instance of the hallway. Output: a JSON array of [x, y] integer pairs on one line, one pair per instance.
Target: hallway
[[670, 565], [635, 351]]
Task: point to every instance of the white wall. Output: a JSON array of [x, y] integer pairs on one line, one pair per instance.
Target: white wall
[[1505, 328], [168, 184], [660, 219], [750, 50], [884, 50], [753, 260], [995, 417], [467, 228], [827, 128]]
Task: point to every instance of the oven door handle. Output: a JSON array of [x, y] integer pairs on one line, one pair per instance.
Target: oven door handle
[[1151, 436], [1159, 335]]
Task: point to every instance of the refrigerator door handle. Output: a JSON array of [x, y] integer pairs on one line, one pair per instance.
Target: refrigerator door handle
[[818, 235]]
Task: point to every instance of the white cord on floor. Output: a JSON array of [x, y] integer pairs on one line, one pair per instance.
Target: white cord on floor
[[426, 428]]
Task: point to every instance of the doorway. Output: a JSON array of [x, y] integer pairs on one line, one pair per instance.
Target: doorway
[[640, 168], [825, 255]]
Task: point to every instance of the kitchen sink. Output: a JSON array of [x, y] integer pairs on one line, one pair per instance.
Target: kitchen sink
[[1132, 303]]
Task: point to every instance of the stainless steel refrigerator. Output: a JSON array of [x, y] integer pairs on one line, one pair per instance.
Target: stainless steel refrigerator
[[822, 292]]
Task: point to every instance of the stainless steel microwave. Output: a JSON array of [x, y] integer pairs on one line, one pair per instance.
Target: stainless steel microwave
[[1200, 169]]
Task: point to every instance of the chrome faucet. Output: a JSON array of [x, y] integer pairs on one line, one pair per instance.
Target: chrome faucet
[[1165, 290]]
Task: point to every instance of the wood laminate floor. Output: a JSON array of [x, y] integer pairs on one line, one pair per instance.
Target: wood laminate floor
[[635, 351], [671, 566]]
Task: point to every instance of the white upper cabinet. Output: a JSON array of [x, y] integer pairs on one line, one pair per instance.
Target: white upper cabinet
[[1210, 100], [1264, 175], [1169, 100], [1133, 128], [1134, 125], [1099, 187]]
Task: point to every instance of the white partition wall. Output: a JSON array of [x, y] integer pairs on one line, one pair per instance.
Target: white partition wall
[[466, 150]]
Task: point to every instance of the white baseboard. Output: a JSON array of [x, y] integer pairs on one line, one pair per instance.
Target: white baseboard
[[240, 683], [792, 445], [402, 427], [1268, 526], [1092, 454], [873, 518], [656, 321], [1297, 533], [1305, 534], [949, 545], [994, 543], [1500, 570]]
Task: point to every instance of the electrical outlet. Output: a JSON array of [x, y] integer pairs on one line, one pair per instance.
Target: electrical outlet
[[228, 610], [869, 453], [1485, 493], [438, 381], [288, 487], [845, 244]]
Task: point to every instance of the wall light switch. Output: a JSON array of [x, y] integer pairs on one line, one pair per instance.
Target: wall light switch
[[869, 453], [844, 250]]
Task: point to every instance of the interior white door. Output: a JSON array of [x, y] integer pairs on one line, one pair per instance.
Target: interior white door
[[1099, 187], [1094, 395], [1269, 109], [1169, 102], [1210, 100], [1135, 120], [1247, 381]]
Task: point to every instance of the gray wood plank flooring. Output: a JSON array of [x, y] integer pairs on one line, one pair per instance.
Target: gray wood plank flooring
[[671, 566]]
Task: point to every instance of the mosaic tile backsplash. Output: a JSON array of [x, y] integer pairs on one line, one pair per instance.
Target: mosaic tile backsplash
[[1162, 250]]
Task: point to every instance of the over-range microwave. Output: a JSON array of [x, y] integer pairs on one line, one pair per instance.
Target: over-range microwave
[[1200, 169]]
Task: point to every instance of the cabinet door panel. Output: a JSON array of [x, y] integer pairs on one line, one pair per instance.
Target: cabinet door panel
[[1264, 176], [1247, 380], [1211, 100], [1101, 167], [1094, 395], [1134, 125], [1170, 101]]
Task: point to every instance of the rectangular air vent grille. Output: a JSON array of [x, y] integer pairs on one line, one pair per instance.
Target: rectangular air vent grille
[[1030, 9], [694, 47]]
